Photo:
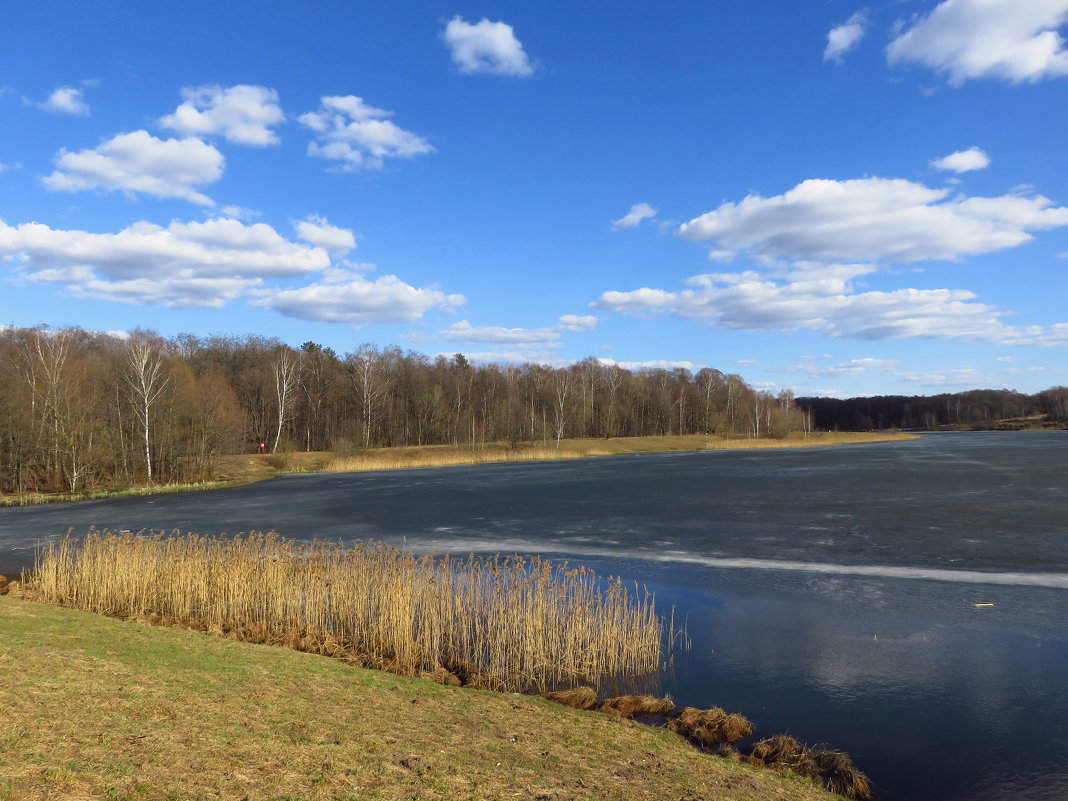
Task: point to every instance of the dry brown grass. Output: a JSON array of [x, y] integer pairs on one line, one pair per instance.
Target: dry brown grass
[[710, 728], [831, 769], [495, 622], [637, 706], [445, 455], [577, 697]]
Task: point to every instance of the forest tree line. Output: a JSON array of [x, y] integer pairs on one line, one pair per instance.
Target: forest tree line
[[81, 409], [977, 408]]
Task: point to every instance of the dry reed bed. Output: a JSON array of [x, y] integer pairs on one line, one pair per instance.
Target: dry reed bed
[[442, 455], [514, 623], [388, 459]]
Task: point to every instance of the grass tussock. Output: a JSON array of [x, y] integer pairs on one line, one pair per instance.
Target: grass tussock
[[711, 728], [502, 623], [637, 706], [833, 770], [584, 698]]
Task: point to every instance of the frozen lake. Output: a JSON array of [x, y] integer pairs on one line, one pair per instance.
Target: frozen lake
[[830, 592]]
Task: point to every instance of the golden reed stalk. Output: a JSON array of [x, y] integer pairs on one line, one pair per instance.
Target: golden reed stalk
[[512, 623]]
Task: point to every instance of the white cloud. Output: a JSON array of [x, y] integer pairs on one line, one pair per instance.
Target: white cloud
[[843, 38], [810, 366], [185, 264], [1014, 40], [652, 364], [239, 212], [139, 162], [343, 296], [463, 331], [963, 161], [634, 217], [66, 100], [506, 355], [318, 231], [575, 322], [822, 299], [357, 135], [1005, 359], [873, 218], [966, 377], [241, 114], [486, 47], [1053, 335]]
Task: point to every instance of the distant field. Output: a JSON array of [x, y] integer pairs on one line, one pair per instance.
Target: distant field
[[98, 708]]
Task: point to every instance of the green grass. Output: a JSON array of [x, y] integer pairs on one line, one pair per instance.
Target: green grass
[[98, 708]]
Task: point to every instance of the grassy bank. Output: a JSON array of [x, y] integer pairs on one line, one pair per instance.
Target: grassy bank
[[98, 708], [244, 468]]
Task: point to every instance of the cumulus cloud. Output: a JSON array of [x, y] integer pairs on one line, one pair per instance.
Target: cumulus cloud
[[463, 331], [963, 161], [358, 136], [966, 377], [634, 217], [548, 337], [343, 296], [506, 355], [66, 100], [318, 231], [843, 38], [138, 162], [185, 264], [239, 212], [653, 364], [241, 114], [811, 366], [868, 219], [1014, 40], [575, 322], [486, 47], [824, 300]]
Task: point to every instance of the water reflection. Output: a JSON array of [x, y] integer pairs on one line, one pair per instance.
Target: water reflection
[[932, 710]]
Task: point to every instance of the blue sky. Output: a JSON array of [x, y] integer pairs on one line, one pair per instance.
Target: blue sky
[[837, 198]]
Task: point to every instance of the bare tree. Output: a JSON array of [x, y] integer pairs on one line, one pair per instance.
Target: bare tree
[[147, 376], [370, 374], [563, 382], [285, 367]]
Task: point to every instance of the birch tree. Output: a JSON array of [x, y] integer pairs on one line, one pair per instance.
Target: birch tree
[[147, 377]]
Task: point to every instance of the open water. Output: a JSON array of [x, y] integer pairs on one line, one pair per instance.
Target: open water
[[906, 602]]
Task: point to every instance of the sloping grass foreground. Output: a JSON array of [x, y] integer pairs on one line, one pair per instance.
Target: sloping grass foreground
[[98, 708], [497, 622]]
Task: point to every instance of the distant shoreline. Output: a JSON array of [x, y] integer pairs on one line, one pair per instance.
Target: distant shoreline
[[241, 469]]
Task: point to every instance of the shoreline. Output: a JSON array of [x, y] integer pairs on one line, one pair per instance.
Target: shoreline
[[241, 469]]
